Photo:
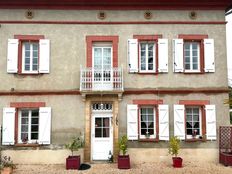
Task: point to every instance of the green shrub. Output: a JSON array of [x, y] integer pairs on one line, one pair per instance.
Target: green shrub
[[174, 146], [123, 144], [74, 145]]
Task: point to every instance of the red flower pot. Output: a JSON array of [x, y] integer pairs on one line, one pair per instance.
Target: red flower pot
[[177, 162], [123, 162], [73, 162]]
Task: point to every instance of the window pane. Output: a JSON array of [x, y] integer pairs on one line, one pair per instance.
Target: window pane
[[189, 117], [35, 67], [24, 136], [187, 60], [98, 122], [27, 67], [24, 128], [24, 120], [150, 118], [188, 125], [150, 47], [194, 45], [27, 54], [143, 131], [196, 125], [25, 113], [143, 118], [195, 60], [195, 66], [35, 46], [189, 132], [143, 46], [150, 111], [98, 132], [196, 118], [151, 125], [106, 122], [151, 131], [34, 136], [106, 132], [143, 125], [35, 120], [186, 53], [27, 45], [187, 66], [34, 128]]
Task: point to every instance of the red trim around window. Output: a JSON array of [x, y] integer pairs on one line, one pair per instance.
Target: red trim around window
[[27, 104], [91, 39], [148, 38], [147, 102], [154, 103], [19, 105], [201, 104], [197, 38], [194, 102], [23, 38]]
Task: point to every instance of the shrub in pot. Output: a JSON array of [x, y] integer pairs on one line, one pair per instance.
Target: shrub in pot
[[7, 165], [174, 147], [73, 161], [123, 160]]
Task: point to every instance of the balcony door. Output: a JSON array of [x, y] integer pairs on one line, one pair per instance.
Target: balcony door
[[102, 68]]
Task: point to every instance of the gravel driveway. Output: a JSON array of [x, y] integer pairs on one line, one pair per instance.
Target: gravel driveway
[[143, 168]]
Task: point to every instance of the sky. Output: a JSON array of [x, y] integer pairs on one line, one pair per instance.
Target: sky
[[229, 47]]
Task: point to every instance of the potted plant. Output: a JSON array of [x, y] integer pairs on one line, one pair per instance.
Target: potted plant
[[123, 160], [7, 165], [73, 161], [174, 147]]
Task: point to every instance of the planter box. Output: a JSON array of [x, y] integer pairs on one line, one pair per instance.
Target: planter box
[[123, 162], [177, 162], [73, 162], [225, 158], [7, 170]]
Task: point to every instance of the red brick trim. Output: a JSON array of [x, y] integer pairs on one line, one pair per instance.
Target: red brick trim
[[116, 5], [118, 23], [29, 37], [27, 104], [91, 39], [126, 92], [147, 102], [23, 38], [147, 37], [192, 36], [194, 102]]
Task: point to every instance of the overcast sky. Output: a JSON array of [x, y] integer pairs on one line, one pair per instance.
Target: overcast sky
[[229, 46]]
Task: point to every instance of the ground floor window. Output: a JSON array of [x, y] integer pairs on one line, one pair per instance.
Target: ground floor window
[[28, 125], [147, 122], [193, 122]]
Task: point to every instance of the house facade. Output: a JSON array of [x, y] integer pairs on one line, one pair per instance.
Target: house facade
[[150, 70]]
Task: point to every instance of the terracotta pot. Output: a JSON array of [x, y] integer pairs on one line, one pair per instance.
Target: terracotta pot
[[123, 161], [73, 162], [177, 162], [7, 170]]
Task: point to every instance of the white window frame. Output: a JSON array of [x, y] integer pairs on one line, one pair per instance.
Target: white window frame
[[154, 57], [191, 57], [30, 141], [31, 58], [154, 119], [200, 121]]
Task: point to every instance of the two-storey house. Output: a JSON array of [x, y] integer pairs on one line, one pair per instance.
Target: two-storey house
[[102, 69]]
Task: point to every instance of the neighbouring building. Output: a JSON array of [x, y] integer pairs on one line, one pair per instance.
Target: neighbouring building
[[102, 69]]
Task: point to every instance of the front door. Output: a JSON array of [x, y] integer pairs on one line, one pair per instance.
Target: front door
[[102, 136], [102, 72]]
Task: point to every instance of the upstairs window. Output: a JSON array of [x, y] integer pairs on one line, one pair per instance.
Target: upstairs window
[[192, 56], [28, 54], [30, 57], [148, 54]]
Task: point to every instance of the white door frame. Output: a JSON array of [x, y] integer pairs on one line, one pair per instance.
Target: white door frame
[[104, 143]]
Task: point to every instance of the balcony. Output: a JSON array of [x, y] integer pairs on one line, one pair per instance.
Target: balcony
[[105, 81]]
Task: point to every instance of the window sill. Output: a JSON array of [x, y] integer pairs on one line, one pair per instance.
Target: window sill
[[27, 145], [194, 140], [148, 140], [193, 72], [148, 73]]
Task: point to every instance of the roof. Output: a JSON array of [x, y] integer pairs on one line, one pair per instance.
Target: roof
[[117, 4]]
